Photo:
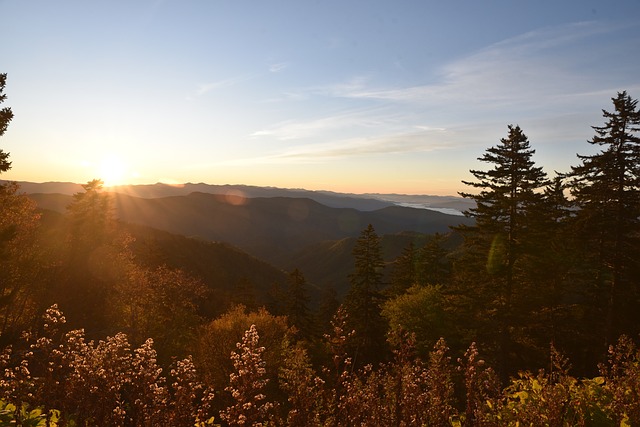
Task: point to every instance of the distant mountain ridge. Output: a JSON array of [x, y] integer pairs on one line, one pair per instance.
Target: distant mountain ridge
[[272, 229], [362, 202]]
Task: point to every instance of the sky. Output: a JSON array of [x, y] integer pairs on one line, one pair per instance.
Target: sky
[[370, 96]]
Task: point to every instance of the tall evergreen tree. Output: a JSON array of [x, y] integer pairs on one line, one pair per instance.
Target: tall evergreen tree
[[5, 117], [244, 293], [297, 304], [364, 299], [327, 308], [435, 267], [21, 262], [606, 191], [495, 244], [404, 273], [549, 261], [94, 250], [92, 218], [19, 268]]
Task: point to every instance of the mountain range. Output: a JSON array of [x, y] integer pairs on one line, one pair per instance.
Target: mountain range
[[363, 202], [285, 229]]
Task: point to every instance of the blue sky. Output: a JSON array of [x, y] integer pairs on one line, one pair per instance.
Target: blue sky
[[351, 96]]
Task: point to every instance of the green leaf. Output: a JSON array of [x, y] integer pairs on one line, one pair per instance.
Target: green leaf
[[624, 422], [536, 386]]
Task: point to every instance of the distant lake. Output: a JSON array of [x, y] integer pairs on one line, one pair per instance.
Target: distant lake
[[448, 211]]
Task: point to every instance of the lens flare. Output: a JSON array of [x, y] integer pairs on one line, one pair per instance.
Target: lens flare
[[112, 171]]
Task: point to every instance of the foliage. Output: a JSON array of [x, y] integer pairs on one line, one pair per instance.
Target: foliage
[[58, 378], [402, 392], [493, 258], [91, 214], [103, 383], [606, 191], [622, 373], [191, 398], [404, 273], [161, 303], [10, 415], [20, 266], [304, 389], [18, 223], [419, 311], [327, 308], [217, 340], [434, 264], [246, 384], [5, 117], [297, 305], [480, 384], [92, 257], [364, 299]]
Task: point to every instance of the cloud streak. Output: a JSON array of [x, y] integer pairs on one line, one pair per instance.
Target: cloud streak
[[418, 139], [205, 88], [354, 147], [523, 69], [368, 118], [278, 67], [535, 77]]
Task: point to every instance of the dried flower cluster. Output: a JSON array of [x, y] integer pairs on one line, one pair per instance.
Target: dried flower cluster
[[247, 383], [53, 378], [103, 383]]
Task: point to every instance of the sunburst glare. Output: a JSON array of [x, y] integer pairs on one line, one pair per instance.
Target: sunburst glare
[[112, 171]]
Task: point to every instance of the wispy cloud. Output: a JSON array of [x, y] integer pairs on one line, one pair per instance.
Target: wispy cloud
[[535, 77], [539, 70], [350, 119], [418, 139], [332, 90], [348, 88], [204, 88], [521, 69], [278, 67]]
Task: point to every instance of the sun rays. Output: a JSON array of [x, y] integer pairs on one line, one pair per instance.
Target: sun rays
[[112, 170]]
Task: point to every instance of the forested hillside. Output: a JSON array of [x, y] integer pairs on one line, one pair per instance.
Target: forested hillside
[[223, 268], [272, 229], [524, 313]]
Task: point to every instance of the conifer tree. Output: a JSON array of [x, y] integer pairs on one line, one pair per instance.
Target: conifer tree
[[92, 219], [404, 273], [94, 249], [435, 267], [364, 299], [550, 249], [5, 117], [552, 282], [494, 245], [297, 304], [244, 293], [327, 308], [21, 262], [606, 192], [19, 268]]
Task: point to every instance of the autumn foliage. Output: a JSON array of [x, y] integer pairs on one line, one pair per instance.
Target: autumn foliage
[[60, 378]]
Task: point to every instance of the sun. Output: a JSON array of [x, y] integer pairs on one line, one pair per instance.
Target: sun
[[112, 171]]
